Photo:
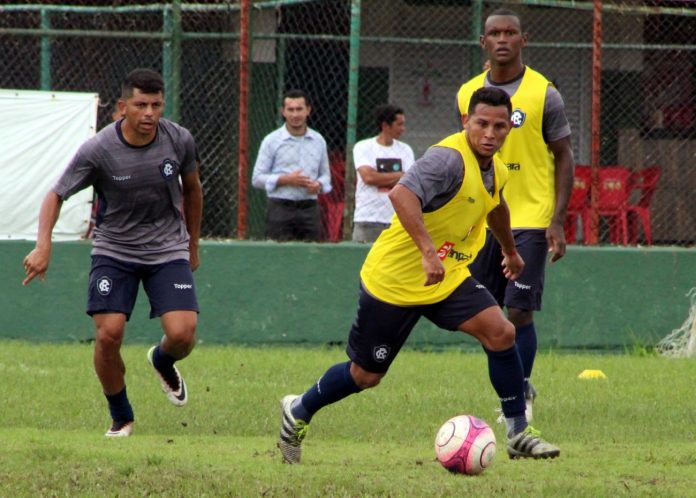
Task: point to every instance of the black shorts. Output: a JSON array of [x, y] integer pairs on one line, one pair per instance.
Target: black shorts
[[380, 329], [526, 292], [113, 286]]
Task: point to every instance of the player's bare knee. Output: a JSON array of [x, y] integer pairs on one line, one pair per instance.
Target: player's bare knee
[[183, 339], [367, 380], [501, 336], [520, 317], [364, 379], [109, 337]]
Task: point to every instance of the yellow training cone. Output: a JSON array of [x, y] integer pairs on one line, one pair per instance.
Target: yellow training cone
[[592, 374]]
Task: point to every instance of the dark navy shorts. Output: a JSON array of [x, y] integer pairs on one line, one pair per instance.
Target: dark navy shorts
[[524, 293], [380, 329], [113, 286]]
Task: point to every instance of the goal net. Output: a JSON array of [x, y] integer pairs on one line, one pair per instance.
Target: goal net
[[681, 343]]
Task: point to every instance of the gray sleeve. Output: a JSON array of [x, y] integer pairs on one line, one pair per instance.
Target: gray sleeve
[[555, 124], [436, 177], [190, 153], [78, 175]]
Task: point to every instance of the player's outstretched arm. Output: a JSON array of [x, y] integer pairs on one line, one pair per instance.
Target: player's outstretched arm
[[407, 206], [193, 212], [36, 262], [499, 223]]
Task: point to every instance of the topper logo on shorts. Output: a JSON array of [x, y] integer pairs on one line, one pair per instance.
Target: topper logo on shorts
[[169, 169], [183, 286], [104, 285], [381, 353], [518, 118]]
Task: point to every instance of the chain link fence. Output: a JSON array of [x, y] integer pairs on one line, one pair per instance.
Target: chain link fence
[[414, 53]]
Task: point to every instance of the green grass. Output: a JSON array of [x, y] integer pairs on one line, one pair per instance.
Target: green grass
[[632, 434]]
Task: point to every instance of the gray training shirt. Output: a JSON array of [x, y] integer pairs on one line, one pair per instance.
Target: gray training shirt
[[140, 216], [438, 175], [554, 124]]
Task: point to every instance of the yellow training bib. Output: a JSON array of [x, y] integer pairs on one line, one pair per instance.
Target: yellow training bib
[[392, 271]]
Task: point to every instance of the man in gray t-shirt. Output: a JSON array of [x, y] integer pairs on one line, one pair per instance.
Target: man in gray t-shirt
[[144, 171]]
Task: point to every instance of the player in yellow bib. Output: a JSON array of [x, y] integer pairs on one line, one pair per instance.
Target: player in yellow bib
[[418, 267], [539, 158]]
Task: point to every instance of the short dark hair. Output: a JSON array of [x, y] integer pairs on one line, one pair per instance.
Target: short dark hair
[[145, 80], [506, 12], [386, 113], [490, 96], [295, 93]]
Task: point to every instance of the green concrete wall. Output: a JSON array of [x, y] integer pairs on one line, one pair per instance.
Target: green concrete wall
[[262, 292]]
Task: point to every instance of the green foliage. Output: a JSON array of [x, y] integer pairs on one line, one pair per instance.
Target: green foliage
[[628, 435]]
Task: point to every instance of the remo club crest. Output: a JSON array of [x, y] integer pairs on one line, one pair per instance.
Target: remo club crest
[[169, 169], [518, 118]]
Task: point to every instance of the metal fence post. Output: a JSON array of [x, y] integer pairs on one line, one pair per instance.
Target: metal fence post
[[352, 116], [280, 76], [595, 144], [476, 28], [243, 155], [171, 59], [45, 51]]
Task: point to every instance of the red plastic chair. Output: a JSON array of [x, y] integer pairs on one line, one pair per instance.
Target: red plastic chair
[[332, 204], [579, 201], [612, 202], [645, 181]]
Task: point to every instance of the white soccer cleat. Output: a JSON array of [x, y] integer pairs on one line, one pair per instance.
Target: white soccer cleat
[[528, 444], [292, 431], [120, 429], [177, 395]]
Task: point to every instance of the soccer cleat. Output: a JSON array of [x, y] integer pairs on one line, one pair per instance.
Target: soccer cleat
[[528, 444], [175, 387], [530, 395], [120, 429], [292, 431]]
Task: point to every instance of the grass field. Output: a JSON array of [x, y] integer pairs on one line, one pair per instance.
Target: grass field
[[633, 434]]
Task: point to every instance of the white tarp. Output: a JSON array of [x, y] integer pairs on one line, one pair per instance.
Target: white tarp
[[39, 134]]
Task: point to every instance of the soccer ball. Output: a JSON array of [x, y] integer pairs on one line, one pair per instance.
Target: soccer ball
[[465, 445]]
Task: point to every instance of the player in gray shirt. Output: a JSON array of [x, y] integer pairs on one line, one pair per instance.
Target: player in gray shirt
[[144, 171]]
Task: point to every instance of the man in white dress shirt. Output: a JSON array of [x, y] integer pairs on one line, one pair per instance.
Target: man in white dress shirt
[[293, 168]]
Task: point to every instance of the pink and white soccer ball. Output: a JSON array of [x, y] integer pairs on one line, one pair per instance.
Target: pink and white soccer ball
[[465, 445]]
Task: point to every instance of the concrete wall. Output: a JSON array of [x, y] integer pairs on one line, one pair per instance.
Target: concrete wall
[[262, 292]]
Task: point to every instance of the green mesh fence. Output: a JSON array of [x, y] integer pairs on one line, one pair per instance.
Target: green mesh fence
[[414, 53]]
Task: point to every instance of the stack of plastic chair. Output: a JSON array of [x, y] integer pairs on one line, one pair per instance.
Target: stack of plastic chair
[[579, 201], [645, 182], [612, 202]]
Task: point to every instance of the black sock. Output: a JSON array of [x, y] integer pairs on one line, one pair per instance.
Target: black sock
[[505, 372], [164, 363], [334, 385], [120, 407], [161, 360], [526, 340]]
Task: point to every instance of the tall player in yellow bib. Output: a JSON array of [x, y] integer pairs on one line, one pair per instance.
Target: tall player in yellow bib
[[418, 267], [539, 158]]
